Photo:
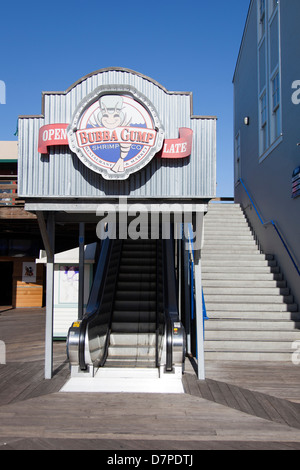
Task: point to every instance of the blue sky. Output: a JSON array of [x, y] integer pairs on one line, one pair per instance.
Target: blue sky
[[189, 45]]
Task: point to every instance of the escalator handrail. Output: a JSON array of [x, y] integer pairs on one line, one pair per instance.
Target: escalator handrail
[[170, 299], [94, 302], [107, 339], [157, 306]]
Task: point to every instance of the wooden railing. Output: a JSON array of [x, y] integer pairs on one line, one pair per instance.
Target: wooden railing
[[9, 192]]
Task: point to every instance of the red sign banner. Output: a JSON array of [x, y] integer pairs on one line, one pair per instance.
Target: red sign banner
[[56, 134], [52, 134], [178, 148]]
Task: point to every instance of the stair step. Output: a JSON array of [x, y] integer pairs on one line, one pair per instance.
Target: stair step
[[234, 325], [225, 223], [248, 299], [226, 275], [242, 283], [230, 248], [247, 306], [272, 356], [238, 262], [222, 205], [252, 314], [223, 245], [253, 270], [248, 345], [233, 289], [233, 256], [251, 335], [225, 239]]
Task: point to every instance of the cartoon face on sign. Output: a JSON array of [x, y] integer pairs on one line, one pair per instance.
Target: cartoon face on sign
[[116, 135]]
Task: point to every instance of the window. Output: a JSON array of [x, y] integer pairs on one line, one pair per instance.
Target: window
[[275, 106], [275, 91], [262, 17], [269, 83], [237, 152], [263, 122]]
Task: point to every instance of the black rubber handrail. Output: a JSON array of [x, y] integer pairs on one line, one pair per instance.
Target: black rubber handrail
[[95, 299], [107, 339], [170, 299], [157, 306]]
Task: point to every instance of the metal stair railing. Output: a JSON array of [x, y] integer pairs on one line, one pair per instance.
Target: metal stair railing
[[271, 222]]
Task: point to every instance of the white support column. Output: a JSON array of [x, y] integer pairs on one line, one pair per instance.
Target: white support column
[[49, 299]]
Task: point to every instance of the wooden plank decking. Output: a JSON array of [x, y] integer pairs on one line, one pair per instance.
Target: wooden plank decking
[[239, 405]]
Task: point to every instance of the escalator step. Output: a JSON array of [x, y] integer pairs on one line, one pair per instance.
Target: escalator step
[[136, 252], [120, 352], [136, 317], [124, 269], [133, 339], [135, 305], [136, 285], [138, 261], [132, 295], [130, 363], [132, 276], [133, 327]]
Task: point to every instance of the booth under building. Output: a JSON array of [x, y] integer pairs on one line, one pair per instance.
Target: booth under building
[[120, 151]]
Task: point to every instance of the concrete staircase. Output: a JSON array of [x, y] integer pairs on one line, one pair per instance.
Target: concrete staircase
[[252, 315]]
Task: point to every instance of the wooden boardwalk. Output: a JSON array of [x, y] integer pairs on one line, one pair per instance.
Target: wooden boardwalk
[[239, 405]]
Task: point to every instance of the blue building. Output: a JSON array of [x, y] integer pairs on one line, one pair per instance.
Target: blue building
[[267, 133]]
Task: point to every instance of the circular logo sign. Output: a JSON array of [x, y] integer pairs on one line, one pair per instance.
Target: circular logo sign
[[115, 131]]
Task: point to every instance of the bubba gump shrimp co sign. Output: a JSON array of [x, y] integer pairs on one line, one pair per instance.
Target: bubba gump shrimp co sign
[[116, 131]]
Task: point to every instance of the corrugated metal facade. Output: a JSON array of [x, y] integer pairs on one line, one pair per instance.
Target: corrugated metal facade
[[62, 175]]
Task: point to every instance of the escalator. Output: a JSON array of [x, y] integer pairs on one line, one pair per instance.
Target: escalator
[[132, 317]]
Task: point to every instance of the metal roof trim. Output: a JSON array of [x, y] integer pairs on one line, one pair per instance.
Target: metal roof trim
[[118, 69]]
